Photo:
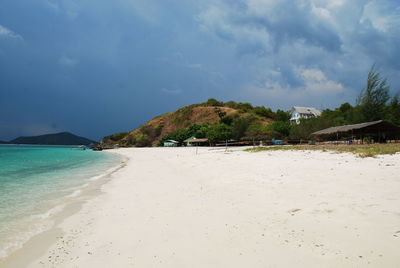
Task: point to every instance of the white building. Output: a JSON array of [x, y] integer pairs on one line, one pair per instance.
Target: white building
[[298, 112]]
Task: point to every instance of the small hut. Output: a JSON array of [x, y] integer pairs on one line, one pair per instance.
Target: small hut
[[171, 143], [193, 141], [380, 131]]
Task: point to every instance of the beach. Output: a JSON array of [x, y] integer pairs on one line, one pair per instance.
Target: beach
[[207, 207]]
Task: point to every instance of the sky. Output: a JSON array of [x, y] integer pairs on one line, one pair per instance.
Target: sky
[[97, 67]]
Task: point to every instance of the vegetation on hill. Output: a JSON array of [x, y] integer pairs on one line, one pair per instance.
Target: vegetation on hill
[[63, 138], [219, 121], [212, 119]]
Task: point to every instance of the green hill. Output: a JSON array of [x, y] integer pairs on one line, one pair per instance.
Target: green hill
[[198, 120]]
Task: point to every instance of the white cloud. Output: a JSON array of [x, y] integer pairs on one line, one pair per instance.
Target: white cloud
[[312, 75], [382, 15], [70, 8], [171, 91], [66, 61], [8, 33], [316, 86]]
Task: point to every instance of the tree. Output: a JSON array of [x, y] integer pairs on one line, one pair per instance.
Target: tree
[[197, 130], [213, 102], [179, 135], [308, 126], [219, 132], [281, 115], [259, 132], [228, 119], [281, 128], [394, 110], [221, 114], [345, 107], [240, 125], [374, 97]]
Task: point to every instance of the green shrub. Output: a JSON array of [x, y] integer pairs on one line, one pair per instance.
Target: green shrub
[[264, 112], [117, 137], [281, 116], [281, 128], [141, 140], [213, 102], [259, 132]]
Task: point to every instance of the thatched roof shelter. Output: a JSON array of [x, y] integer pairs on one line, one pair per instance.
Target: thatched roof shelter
[[376, 128], [196, 140], [193, 141]]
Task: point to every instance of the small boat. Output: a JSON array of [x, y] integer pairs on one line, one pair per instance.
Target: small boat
[[97, 148]]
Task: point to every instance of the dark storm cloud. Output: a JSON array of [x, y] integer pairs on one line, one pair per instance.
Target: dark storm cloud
[[98, 67], [339, 40], [288, 22]]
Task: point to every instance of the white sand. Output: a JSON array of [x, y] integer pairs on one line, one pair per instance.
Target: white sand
[[172, 208]]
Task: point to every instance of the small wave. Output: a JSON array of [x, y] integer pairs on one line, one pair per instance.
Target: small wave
[[24, 237], [48, 213], [74, 193], [113, 169], [95, 178], [106, 173]]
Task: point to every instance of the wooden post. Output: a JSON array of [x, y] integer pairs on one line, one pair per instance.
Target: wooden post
[[352, 137], [226, 145]]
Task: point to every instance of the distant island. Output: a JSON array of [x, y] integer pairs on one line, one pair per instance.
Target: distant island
[[62, 138]]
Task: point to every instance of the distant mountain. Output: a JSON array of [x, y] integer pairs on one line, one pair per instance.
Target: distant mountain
[[63, 138], [3, 142]]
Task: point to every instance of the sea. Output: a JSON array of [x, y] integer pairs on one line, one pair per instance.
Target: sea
[[36, 183]]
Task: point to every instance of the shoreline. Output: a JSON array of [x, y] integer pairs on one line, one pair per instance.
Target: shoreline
[[171, 207], [70, 204]]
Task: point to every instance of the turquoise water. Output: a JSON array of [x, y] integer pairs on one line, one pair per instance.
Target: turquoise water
[[35, 182]]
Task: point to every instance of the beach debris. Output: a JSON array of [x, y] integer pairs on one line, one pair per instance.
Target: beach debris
[[293, 211]]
